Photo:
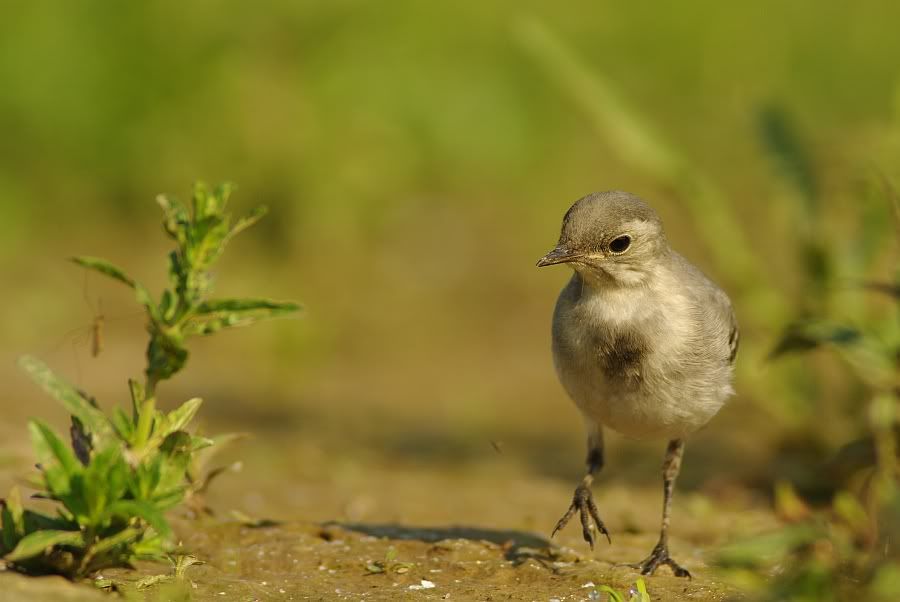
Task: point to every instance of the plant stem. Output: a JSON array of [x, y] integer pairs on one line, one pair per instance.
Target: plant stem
[[145, 420]]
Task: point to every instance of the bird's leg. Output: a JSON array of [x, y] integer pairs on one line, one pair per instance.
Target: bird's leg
[[583, 500], [660, 554]]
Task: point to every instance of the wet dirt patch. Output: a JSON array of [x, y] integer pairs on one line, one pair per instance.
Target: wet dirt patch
[[305, 561]]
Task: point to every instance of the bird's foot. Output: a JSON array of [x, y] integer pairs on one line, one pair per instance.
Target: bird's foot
[[583, 503], [658, 557]]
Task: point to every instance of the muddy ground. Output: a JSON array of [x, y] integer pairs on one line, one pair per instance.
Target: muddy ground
[[312, 527]]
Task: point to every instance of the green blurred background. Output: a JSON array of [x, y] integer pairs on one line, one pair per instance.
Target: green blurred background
[[417, 159]]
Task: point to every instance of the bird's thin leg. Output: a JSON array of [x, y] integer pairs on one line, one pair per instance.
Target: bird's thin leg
[[660, 554], [583, 500]]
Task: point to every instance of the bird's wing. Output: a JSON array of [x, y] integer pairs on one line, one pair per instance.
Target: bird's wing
[[715, 309], [734, 339]]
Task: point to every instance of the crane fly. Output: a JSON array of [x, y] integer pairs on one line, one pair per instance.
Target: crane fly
[[97, 321], [92, 334], [97, 333]]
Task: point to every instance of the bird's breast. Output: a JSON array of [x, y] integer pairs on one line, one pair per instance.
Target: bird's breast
[[620, 359]]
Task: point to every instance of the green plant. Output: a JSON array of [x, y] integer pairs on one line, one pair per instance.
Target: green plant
[[845, 550], [638, 593], [390, 564], [122, 471]]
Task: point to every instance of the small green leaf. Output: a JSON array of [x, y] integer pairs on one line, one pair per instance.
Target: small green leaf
[[374, 567], [205, 454], [183, 562], [614, 595], [51, 450], [642, 590], [105, 480], [215, 315], [104, 267], [124, 536], [176, 218], [57, 481], [175, 444], [247, 305], [169, 499], [123, 425], [35, 521], [245, 222], [12, 519], [144, 510], [151, 548], [143, 297], [198, 443], [35, 543], [175, 455], [137, 397], [74, 402], [180, 417], [208, 203]]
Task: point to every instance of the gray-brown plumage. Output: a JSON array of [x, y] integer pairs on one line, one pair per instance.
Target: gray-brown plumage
[[643, 342]]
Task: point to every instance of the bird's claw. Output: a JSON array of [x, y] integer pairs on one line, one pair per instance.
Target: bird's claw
[[583, 503], [658, 557]]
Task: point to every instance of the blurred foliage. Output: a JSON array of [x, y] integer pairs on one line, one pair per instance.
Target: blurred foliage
[[848, 550], [123, 472], [355, 106]]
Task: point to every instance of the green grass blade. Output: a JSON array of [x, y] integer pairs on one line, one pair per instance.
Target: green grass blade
[[622, 127]]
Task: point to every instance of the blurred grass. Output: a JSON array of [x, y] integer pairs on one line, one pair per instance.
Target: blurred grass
[[418, 158]]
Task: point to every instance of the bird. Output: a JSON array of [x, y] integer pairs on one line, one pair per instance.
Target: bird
[[642, 342]]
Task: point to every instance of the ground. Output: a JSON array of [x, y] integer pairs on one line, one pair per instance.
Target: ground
[[388, 533]]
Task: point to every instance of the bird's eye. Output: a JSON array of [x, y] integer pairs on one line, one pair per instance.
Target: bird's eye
[[620, 244]]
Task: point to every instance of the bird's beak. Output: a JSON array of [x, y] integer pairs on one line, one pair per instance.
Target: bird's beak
[[558, 255]]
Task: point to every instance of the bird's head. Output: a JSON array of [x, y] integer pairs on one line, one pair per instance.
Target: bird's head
[[610, 238]]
